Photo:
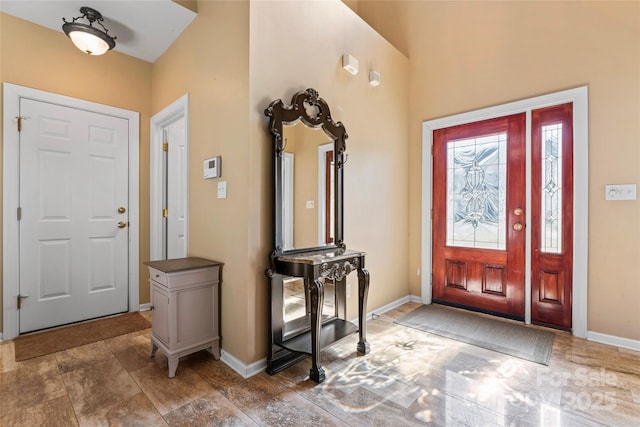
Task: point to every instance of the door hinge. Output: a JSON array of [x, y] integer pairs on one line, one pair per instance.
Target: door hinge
[[165, 213], [19, 214], [20, 118], [20, 298], [165, 146]]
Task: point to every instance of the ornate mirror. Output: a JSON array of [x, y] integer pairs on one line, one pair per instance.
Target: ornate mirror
[[309, 155], [308, 151]]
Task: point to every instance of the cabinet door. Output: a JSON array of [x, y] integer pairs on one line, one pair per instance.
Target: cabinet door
[[160, 314]]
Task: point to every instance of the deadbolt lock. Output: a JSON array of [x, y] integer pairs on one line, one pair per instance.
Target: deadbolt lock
[[517, 211], [121, 209]]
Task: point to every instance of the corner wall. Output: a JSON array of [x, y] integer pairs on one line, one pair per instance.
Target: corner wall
[[210, 61], [470, 55]]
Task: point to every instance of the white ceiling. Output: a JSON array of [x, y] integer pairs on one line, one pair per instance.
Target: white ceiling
[[144, 28]]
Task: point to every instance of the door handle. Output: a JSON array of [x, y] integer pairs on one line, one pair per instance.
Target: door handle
[[122, 224], [517, 226]]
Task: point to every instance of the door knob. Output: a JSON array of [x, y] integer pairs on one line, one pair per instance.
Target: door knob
[[121, 209], [122, 224], [517, 226], [517, 211]]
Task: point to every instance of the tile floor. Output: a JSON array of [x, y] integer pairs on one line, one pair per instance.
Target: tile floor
[[409, 378]]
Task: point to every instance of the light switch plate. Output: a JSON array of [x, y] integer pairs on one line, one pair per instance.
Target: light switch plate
[[621, 192], [222, 190]]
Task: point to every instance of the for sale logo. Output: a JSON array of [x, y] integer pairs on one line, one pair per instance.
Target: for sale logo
[[583, 389]]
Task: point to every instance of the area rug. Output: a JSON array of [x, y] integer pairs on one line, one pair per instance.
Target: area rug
[[53, 340], [493, 334]]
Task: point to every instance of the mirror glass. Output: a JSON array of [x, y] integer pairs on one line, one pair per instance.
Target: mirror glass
[[296, 304], [308, 203]]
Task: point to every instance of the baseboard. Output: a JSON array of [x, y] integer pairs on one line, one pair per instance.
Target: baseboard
[[144, 307], [613, 340], [388, 307], [245, 371]]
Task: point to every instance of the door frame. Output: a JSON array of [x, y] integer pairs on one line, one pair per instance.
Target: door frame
[[322, 192], [288, 166], [176, 110], [11, 195], [579, 97]]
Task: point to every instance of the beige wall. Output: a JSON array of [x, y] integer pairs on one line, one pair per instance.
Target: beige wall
[[245, 67], [210, 61], [297, 45], [469, 55], [40, 58]]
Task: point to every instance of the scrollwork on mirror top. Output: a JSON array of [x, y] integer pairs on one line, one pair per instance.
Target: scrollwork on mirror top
[[313, 111]]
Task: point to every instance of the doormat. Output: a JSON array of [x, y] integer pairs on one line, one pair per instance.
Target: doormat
[[497, 335], [53, 340]]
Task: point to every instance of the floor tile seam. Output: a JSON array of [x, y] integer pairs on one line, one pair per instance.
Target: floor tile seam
[[85, 364], [336, 416], [119, 400], [213, 389], [42, 402], [106, 408], [75, 414], [168, 414]]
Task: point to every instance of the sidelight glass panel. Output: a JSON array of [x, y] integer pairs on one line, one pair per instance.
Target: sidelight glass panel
[[476, 192], [551, 238]]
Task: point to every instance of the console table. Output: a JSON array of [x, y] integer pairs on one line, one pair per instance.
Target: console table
[[314, 267]]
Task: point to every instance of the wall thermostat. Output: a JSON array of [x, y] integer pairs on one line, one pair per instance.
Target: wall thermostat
[[212, 168]]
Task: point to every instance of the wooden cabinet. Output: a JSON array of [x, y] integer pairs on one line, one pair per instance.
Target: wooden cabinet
[[185, 307]]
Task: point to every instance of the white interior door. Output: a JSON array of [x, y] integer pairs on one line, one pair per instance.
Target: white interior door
[[169, 177], [176, 190], [74, 215]]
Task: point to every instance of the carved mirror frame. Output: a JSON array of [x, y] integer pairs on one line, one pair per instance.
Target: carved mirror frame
[[310, 109]]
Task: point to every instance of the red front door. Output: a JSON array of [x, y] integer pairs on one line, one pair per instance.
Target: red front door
[[479, 215]]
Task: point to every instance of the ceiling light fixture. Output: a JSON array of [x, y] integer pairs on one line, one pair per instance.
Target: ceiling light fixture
[[89, 39]]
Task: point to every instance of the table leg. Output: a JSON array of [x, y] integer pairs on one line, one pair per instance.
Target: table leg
[[316, 373], [363, 293], [173, 365]]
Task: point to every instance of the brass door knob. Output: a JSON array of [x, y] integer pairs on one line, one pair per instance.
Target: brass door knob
[[517, 226], [122, 224], [121, 209]]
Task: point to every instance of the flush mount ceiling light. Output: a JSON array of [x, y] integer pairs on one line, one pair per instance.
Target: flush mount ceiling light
[[87, 37]]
